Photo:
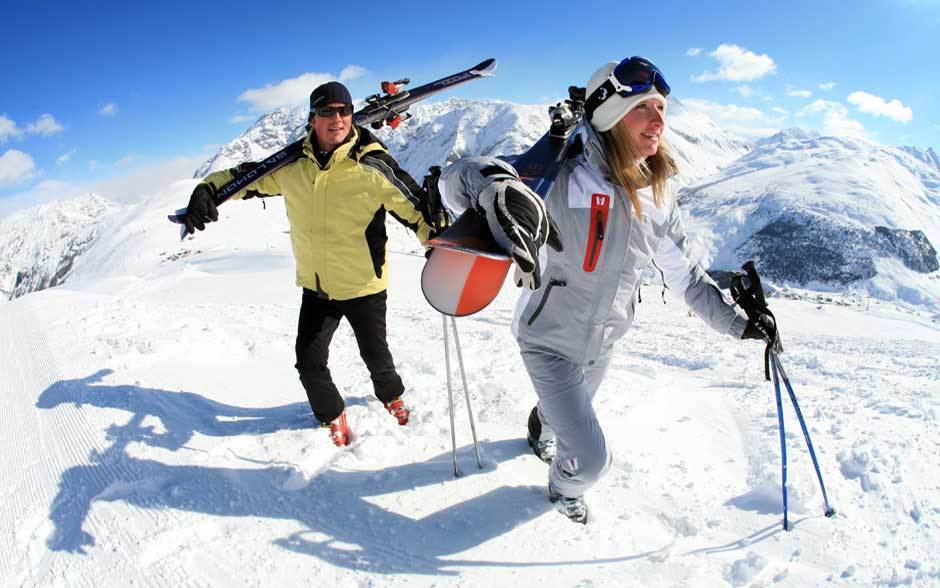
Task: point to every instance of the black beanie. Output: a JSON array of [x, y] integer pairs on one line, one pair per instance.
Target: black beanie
[[328, 93]]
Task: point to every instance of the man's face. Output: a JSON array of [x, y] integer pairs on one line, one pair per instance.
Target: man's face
[[331, 124]]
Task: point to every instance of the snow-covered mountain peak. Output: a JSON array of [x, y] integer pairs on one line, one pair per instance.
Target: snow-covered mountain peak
[[700, 145], [39, 245], [828, 213], [268, 134], [791, 136]]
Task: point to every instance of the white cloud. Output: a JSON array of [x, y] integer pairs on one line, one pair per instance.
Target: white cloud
[[878, 106], [744, 90], [45, 125], [293, 91], [737, 64], [93, 164], [694, 52], [781, 111], [744, 120], [835, 118], [64, 158], [8, 128], [351, 72], [109, 109], [827, 86], [16, 167], [726, 112], [799, 93]]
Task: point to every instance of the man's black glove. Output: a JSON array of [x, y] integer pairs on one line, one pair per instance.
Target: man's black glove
[[520, 224], [761, 326], [201, 209]]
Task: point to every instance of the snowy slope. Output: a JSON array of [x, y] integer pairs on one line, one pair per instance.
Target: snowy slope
[[39, 246], [154, 433], [826, 213]]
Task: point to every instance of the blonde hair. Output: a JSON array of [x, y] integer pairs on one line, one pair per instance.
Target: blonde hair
[[634, 172]]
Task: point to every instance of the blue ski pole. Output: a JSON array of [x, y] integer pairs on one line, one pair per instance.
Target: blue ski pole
[[829, 512], [783, 445]]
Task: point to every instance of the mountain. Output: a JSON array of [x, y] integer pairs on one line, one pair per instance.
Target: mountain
[[826, 213], [442, 132], [39, 246]]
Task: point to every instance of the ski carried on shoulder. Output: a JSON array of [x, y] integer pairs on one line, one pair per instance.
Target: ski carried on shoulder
[[388, 108], [466, 269]]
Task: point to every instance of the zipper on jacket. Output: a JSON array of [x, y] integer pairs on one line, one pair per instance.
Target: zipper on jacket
[[538, 309], [600, 208]]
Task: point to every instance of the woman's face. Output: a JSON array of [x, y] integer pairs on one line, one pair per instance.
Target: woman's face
[[645, 125]]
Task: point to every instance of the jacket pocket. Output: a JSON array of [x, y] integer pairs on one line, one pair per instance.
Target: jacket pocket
[[600, 209], [548, 290]]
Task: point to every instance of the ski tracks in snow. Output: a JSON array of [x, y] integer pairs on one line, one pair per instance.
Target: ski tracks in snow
[[48, 438]]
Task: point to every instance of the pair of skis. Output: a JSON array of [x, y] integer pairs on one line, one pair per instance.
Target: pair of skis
[[389, 108]]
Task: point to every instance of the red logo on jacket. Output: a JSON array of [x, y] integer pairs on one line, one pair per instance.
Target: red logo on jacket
[[600, 209]]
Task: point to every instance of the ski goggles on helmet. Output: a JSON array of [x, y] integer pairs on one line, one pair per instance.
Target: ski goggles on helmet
[[630, 77]]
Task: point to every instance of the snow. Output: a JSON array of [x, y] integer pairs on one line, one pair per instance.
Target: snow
[[154, 432]]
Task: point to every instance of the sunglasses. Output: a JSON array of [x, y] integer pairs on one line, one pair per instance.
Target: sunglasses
[[329, 111], [634, 75]]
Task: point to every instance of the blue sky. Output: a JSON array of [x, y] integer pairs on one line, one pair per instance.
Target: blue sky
[[119, 97]]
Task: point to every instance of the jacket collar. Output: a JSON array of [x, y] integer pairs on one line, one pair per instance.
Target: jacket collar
[[596, 153]]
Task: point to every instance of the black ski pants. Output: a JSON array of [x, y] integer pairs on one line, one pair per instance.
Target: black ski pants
[[318, 321]]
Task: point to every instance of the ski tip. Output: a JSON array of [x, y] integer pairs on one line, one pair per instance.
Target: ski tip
[[178, 216], [485, 68]]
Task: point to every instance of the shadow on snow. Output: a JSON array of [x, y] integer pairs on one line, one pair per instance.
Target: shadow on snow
[[343, 528]]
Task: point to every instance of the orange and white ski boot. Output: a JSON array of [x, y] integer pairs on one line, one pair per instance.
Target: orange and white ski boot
[[339, 431], [397, 409]]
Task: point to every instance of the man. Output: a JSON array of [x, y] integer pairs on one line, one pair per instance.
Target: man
[[337, 194]]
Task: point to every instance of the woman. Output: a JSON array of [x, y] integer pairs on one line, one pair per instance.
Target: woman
[[614, 206]]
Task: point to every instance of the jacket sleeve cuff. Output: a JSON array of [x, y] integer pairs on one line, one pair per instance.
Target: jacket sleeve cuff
[[737, 326]]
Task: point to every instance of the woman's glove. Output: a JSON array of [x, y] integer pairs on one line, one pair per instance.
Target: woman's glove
[[515, 215], [761, 326], [520, 224]]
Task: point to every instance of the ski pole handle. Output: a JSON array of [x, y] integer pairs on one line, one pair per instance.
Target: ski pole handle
[[754, 279]]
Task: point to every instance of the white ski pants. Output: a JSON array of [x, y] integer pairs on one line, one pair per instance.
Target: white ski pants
[[566, 391]]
